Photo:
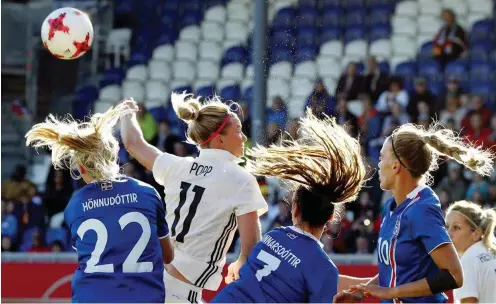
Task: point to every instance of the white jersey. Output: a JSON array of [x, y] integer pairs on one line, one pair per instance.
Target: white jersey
[[203, 197], [479, 275]]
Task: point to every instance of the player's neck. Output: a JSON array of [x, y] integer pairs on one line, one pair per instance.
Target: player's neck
[[402, 189], [316, 232]]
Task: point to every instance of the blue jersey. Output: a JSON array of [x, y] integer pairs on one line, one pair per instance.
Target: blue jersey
[[409, 233], [287, 265], [115, 228]]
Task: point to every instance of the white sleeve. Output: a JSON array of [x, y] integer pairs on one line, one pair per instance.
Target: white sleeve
[[250, 199], [403, 99], [470, 278], [164, 166]]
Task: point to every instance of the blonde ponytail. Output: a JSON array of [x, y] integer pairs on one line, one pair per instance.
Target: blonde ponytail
[[488, 225]]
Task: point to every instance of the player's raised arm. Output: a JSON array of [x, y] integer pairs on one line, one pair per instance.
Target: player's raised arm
[[133, 139]]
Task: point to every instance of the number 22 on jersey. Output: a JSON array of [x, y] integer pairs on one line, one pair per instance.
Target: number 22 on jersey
[[271, 264], [131, 263]]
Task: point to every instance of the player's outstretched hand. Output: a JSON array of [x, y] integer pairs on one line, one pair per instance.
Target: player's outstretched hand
[[348, 296], [374, 291], [233, 271]]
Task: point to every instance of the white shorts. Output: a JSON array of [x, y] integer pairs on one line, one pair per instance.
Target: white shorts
[[177, 291]]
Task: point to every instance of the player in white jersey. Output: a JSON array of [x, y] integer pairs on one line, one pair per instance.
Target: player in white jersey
[[471, 229], [205, 197]]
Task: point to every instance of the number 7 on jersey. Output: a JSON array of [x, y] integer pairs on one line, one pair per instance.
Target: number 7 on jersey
[[271, 264]]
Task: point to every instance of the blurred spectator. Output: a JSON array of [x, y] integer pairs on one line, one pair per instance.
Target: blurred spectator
[[56, 247], [478, 189], [37, 244], [362, 245], [17, 185], [165, 139], [350, 83], [292, 130], [328, 242], [283, 217], [492, 137], [453, 183], [445, 199], [344, 117], [134, 169], [452, 88], [395, 93], [421, 94], [10, 225], [369, 122], [273, 133], [58, 194], [453, 111], [7, 244], [451, 41], [397, 115], [423, 120], [319, 100], [375, 145], [278, 113], [375, 81], [477, 133], [147, 123], [477, 106]]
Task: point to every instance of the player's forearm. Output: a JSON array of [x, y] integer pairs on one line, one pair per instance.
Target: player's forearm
[[345, 281], [130, 130], [415, 289]]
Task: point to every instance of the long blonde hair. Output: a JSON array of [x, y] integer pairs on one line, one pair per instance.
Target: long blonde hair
[[478, 218], [90, 144], [203, 119], [418, 150], [325, 166]]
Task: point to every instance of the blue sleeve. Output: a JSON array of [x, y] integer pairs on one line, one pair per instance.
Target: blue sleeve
[[328, 289], [162, 228], [68, 219], [428, 226]]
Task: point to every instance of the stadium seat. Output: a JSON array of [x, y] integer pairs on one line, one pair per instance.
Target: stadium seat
[[481, 72], [137, 73], [301, 87], [306, 69], [357, 48], [460, 7], [379, 16], [328, 67], [110, 93], [164, 52], [330, 34], [480, 50], [430, 7], [118, 43], [157, 91], [429, 69], [112, 76], [210, 50], [407, 9], [186, 50], [238, 12], [133, 89], [306, 17], [281, 54], [403, 46], [354, 33], [231, 93], [456, 69], [282, 69], [236, 31], [378, 32], [190, 33], [484, 7], [102, 106], [233, 71], [355, 17], [191, 17], [333, 48], [406, 69], [206, 91], [212, 31], [184, 70], [428, 25], [426, 50], [216, 14], [207, 70], [305, 53], [159, 70], [381, 48], [482, 30], [332, 17], [277, 87], [404, 26], [234, 54]]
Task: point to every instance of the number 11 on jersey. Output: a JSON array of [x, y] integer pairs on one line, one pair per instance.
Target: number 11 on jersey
[[271, 264]]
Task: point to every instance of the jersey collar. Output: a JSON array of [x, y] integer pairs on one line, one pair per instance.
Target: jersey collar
[[296, 229], [416, 191], [219, 154]]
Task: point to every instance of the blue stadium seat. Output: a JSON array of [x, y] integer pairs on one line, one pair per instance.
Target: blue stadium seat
[[248, 94], [384, 67], [172, 5], [191, 17], [354, 33], [353, 4], [307, 17], [483, 89], [205, 92], [281, 54], [426, 50], [234, 54], [380, 16], [307, 36], [331, 33], [27, 238], [112, 76], [158, 113], [284, 18], [191, 4], [480, 72], [406, 69], [137, 57], [380, 32], [230, 93], [430, 69], [436, 86], [456, 69], [480, 50], [305, 53], [168, 37], [332, 17], [482, 30], [330, 3], [124, 7], [307, 3], [283, 38], [355, 17]]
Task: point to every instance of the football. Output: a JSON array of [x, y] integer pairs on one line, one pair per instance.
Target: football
[[67, 33]]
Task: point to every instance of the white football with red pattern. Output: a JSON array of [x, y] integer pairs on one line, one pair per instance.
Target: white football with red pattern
[[67, 33]]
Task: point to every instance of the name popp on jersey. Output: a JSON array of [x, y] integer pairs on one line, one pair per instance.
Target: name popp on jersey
[[110, 201], [200, 169]]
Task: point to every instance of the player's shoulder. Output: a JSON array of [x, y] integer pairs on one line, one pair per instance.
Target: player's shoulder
[[138, 184], [426, 199], [473, 252]]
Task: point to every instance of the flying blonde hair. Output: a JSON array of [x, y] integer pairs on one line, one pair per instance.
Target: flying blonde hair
[[90, 144], [419, 148]]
